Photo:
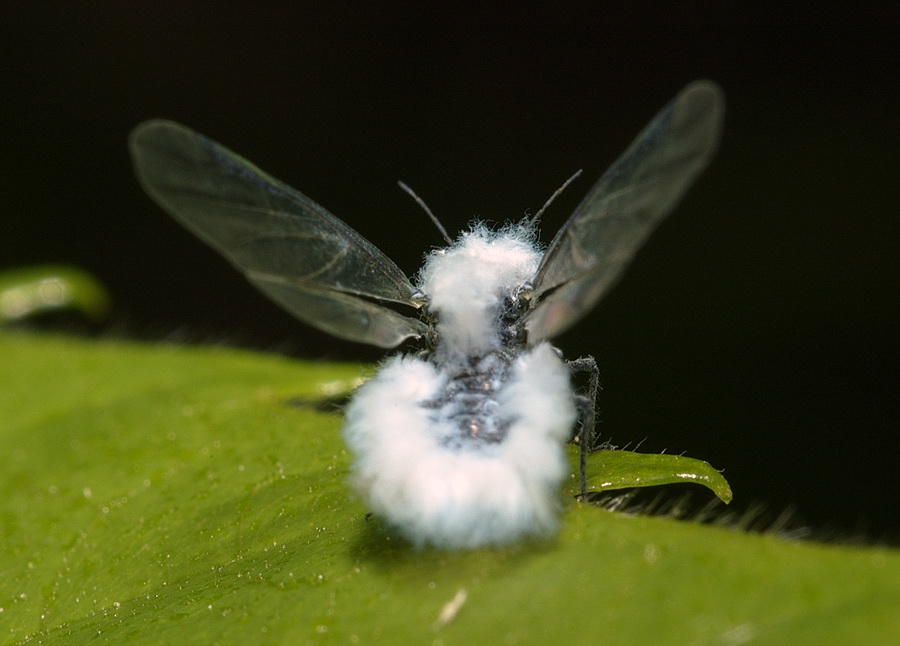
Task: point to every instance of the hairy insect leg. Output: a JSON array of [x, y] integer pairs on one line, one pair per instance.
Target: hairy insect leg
[[587, 404]]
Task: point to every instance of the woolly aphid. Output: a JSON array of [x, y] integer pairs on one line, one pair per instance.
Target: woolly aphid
[[460, 444]]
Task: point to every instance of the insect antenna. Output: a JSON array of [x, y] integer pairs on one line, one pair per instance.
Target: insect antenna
[[537, 216], [425, 208]]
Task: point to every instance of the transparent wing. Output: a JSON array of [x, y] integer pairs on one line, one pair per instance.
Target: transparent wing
[[597, 242], [292, 249]]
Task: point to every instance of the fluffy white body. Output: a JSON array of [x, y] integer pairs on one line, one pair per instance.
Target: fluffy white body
[[464, 448]]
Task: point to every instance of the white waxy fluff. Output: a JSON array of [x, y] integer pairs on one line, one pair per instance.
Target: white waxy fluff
[[414, 464], [462, 498], [467, 282]]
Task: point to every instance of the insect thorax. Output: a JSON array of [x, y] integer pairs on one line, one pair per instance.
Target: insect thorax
[[474, 292], [466, 410]]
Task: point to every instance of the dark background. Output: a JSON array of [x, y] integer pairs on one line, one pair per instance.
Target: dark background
[[756, 330]]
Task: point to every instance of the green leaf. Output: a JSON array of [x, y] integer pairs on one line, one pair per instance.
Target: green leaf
[[608, 470], [170, 495], [33, 290]]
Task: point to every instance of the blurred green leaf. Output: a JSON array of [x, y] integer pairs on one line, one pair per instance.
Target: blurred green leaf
[[34, 290], [167, 495]]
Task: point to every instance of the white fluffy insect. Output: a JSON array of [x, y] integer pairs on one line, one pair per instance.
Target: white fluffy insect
[[460, 444]]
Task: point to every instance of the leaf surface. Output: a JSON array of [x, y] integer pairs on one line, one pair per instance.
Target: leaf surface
[[153, 494]]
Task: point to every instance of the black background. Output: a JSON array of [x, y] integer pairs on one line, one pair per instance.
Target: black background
[[756, 330]]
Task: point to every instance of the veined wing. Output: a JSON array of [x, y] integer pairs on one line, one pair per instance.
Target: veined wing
[[600, 238], [292, 249]]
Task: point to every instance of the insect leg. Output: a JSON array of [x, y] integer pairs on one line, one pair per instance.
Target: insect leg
[[586, 403]]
